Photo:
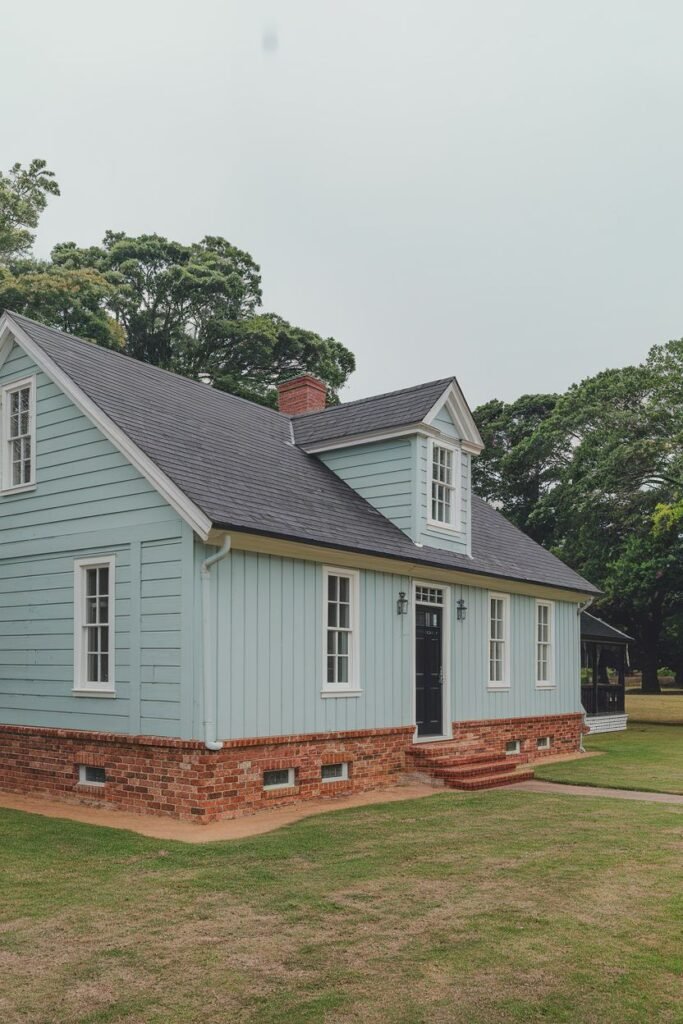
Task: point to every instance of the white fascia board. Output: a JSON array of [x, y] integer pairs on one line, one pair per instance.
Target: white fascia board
[[169, 491], [454, 401]]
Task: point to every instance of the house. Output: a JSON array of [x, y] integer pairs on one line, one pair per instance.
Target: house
[[604, 655], [208, 606]]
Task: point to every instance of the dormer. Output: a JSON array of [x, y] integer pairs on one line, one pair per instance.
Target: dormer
[[408, 453]]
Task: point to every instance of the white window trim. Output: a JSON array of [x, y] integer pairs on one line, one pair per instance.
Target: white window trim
[[504, 684], [352, 688], [82, 687], [5, 467], [84, 781], [549, 683], [291, 779], [455, 526], [344, 777]]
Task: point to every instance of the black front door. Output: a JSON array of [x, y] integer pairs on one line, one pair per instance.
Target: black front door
[[428, 671]]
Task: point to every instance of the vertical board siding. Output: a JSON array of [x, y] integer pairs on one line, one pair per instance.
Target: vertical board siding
[[382, 473], [88, 501], [268, 618], [269, 629], [471, 698]]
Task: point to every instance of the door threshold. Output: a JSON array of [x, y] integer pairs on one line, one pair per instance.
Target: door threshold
[[432, 739]]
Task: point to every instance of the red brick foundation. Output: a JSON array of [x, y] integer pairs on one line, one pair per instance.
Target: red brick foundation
[[182, 779], [491, 735]]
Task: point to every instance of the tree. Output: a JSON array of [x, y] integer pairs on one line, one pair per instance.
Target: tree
[[606, 466], [514, 470], [194, 309], [24, 193], [72, 300]]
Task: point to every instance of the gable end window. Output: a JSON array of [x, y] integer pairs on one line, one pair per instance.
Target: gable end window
[[340, 631], [94, 637], [444, 492], [499, 642], [544, 643], [18, 457]]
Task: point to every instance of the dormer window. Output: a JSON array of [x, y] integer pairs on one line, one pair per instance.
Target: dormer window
[[18, 435], [445, 464]]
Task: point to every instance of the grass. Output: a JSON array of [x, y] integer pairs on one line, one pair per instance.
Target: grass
[[646, 756], [490, 908], [665, 707]]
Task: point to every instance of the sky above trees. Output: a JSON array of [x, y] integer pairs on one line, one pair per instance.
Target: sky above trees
[[490, 189]]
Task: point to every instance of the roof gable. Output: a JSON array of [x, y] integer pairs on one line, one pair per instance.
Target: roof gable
[[396, 412]]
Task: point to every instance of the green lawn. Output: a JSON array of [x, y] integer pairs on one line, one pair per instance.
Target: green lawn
[[661, 707], [487, 908], [645, 756]]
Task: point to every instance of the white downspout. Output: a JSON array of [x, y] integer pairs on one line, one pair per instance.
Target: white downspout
[[209, 674], [579, 611]]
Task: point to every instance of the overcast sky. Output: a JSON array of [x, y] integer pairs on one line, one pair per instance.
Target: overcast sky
[[491, 189]]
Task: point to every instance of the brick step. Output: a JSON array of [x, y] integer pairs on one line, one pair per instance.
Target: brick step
[[490, 781], [443, 756], [465, 771]]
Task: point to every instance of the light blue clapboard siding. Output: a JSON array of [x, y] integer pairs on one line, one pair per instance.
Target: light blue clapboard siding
[[268, 613], [89, 500], [383, 472]]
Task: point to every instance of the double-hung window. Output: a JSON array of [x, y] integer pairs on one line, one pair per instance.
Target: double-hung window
[[499, 644], [18, 462], [340, 639], [444, 463], [544, 643], [94, 638]]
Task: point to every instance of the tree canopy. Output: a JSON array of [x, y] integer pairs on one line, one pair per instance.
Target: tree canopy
[[595, 474], [195, 308], [24, 193]]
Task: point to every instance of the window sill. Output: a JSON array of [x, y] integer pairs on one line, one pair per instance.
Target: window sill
[[433, 524], [340, 693], [500, 688], [272, 792], [93, 693], [7, 492], [546, 686]]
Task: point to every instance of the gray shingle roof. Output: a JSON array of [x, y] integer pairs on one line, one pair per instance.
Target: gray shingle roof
[[237, 462], [381, 412], [593, 628]]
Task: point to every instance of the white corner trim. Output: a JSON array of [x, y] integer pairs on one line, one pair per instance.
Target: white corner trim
[[168, 490], [458, 409]]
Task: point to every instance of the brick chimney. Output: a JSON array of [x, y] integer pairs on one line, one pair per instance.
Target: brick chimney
[[301, 394]]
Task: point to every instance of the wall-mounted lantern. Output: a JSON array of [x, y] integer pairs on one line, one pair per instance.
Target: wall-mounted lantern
[[402, 603], [461, 610]]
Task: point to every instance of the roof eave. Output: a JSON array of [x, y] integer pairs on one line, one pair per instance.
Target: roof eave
[[225, 527]]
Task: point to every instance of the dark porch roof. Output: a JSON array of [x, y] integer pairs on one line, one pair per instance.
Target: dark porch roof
[[593, 628]]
